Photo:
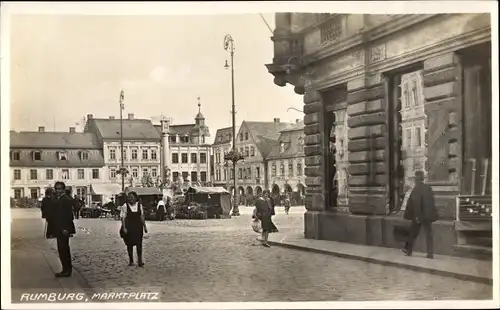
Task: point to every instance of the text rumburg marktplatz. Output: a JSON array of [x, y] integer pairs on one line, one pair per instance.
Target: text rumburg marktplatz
[[83, 297]]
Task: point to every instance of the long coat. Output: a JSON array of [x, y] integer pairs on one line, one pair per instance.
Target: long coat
[[421, 204], [63, 215], [48, 210]]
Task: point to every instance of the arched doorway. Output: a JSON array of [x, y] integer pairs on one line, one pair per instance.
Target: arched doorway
[[241, 195], [288, 189], [301, 189], [249, 199], [275, 189], [258, 190]]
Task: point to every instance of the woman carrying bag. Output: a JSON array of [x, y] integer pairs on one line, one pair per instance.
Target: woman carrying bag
[[133, 227]]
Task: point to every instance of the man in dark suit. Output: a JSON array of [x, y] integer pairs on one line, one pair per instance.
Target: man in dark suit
[[421, 210], [64, 227]]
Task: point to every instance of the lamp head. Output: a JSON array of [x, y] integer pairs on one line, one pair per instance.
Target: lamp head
[[226, 66]]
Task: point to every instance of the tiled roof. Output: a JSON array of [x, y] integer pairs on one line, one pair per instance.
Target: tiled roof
[[223, 135], [57, 140], [133, 129], [266, 134], [269, 130], [181, 130], [291, 140], [295, 127]]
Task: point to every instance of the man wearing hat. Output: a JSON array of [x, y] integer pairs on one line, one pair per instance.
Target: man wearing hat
[[421, 210]]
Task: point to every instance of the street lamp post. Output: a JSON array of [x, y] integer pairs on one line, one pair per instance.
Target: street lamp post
[[122, 168], [233, 156]]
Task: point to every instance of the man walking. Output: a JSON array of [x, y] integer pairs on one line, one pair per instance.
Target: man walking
[[64, 227], [421, 210]]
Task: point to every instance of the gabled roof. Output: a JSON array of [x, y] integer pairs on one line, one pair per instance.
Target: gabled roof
[[133, 129], [181, 130], [292, 144], [223, 136], [53, 140], [265, 134], [269, 130]]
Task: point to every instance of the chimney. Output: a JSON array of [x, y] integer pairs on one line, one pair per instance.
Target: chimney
[[276, 120], [72, 129], [131, 116], [90, 116], [41, 129], [111, 117]]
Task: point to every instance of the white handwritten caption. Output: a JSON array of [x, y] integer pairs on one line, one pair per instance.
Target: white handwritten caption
[[83, 297]]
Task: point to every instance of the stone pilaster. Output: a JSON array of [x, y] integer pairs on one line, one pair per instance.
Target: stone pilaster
[[313, 149], [442, 91], [443, 107], [367, 146]]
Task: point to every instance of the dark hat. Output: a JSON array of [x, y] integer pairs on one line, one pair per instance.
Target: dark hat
[[419, 175]]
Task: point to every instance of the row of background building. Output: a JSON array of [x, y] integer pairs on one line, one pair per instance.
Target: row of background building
[[89, 161]]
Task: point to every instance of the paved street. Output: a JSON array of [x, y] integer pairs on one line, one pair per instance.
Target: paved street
[[220, 260]]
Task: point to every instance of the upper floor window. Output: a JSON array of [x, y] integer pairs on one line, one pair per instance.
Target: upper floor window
[[241, 136], [175, 158], [33, 174], [184, 158], [154, 154], [299, 168], [134, 154], [203, 158], [84, 155], [246, 151], [112, 154], [17, 174], [246, 135], [273, 170], [49, 174], [37, 155], [252, 151], [282, 147], [282, 169], [194, 158], [112, 173], [145, 154], [184, 139], [290, 169], [95, 173], [203, 176], [81, 174], [65, 174], [135, 172], [15, 155], [154, 172]]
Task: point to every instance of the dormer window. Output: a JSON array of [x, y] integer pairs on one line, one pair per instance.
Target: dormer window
[[15, 155], [84, 155], [37, 155], [282, 147], [62, 155]]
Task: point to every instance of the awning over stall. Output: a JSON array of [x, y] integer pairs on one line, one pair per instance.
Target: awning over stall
[[144, 191], [207, 190], [108, 189]]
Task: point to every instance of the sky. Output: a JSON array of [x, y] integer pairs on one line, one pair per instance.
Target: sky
[[64, 67]]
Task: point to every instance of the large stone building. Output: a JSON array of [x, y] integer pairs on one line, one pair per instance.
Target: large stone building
[[141, 146], [222, 145], [39, 159], [189, 152], [285, 163], [254, 141], [413, 93]]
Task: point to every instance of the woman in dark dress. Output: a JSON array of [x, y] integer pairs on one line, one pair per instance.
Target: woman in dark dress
[[264, 213], [133, 227], [48, 210]]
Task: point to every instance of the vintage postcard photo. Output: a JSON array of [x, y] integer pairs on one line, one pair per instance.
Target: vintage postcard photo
[[230, 155]]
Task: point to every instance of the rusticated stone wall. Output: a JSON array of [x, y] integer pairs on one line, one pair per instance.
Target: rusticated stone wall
[[367, 144], [313, 150], [443, 107]]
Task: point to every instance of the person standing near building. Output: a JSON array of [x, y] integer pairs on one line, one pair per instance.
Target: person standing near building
[[48, 209], [64, 227], [287, 204], [160, 211], [421, 210], [133, 227]]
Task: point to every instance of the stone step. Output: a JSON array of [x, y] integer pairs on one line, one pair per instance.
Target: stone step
[[479, 241], [474, 251]]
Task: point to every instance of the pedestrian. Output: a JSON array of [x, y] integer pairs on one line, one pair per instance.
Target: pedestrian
[[272, 205], [287, 204], [64, 228], [77, 206], [264, 213], [48, 209], [421, 211], [160, 211], [133, 227]]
